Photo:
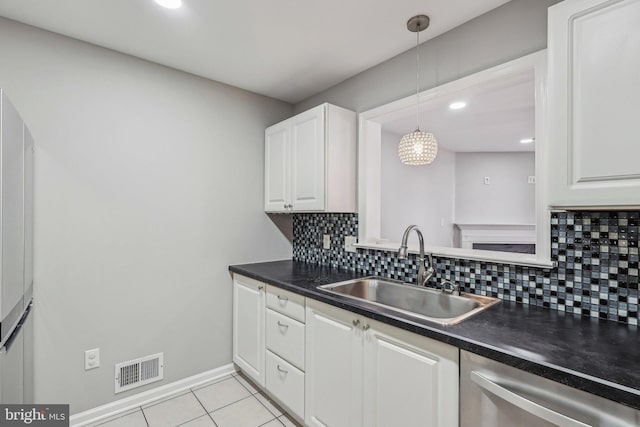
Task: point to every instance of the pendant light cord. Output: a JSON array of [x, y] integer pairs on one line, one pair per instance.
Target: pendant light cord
[[417, 76]]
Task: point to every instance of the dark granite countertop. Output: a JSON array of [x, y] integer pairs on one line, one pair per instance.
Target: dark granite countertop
[[597, 356]]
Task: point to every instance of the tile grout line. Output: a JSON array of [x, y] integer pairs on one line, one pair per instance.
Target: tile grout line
[[144, 416], [228, 404], [205, 409], [276, 419], [265, 406], [290, 419], [260, 393], [245, 387], [162, 400], [232, 403], [266, 398]]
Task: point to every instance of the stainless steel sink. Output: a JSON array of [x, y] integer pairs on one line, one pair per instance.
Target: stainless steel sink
[[424, 303]]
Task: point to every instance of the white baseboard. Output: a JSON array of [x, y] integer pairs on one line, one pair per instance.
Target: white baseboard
[[110, 410]]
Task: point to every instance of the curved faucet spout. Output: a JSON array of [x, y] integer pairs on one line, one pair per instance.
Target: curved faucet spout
[[424, 274]]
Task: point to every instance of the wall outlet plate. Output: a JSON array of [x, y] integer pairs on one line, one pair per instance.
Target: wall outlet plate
[[326, 241], [91, 359], [349, 241]]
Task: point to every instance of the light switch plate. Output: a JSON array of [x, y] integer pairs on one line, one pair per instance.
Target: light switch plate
[[326, 241], [349, 241]]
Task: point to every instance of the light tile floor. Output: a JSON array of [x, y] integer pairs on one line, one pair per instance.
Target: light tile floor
[[231, 401]]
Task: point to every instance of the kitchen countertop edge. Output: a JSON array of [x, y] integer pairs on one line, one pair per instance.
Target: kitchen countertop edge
[[565, 375]]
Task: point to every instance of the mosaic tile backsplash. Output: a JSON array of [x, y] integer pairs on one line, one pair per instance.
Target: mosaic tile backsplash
[[596, 252]]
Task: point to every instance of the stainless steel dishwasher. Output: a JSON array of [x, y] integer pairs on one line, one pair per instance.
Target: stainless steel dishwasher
[[496, 395]]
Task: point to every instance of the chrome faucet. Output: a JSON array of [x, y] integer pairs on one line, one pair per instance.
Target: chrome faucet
[[424, 274]]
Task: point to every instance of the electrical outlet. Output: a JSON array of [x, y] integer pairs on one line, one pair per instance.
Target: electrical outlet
[[91, 359], [349, 241], [326, 241], [531, 179]]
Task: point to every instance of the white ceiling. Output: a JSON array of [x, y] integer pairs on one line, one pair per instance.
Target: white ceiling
[[499, 113], [285, 49]]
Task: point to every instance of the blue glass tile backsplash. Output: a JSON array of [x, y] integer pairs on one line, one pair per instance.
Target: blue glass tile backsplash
[[596, 253]]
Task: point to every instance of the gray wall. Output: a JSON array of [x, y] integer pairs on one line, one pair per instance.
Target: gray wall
[[422, 195], [148, 184], [508, 32], [508, 199]]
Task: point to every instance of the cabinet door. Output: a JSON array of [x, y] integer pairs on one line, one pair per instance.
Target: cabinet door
[[276, 168], [409, 380], [593, 103], [333, 381], [248, 327], [308, 160], [11, 191]]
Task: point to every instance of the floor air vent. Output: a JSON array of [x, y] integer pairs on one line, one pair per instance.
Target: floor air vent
[[138, 372]]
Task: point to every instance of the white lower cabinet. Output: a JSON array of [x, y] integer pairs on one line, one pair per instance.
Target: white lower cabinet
[[361, 372], [285, 337], [330, 367], [409, 380], [285, 332], [286, 383], [333, 388], [248, 326]]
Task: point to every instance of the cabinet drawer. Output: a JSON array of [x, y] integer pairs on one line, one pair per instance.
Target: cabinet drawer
[[285, 337], [286, 302], [286, 383]]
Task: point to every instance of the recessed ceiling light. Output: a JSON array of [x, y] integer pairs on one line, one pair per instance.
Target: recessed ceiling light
[[169, 4], [527, 140], [457, 105]]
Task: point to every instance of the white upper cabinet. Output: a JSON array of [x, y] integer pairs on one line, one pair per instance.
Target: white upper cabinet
[[594, 87], [310, 162], [307, 163], [276, 167]]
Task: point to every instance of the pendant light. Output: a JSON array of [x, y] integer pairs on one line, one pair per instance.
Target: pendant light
[[417, 147]]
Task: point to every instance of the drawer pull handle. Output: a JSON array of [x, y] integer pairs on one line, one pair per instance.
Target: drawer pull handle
[[282, 325], [366, 327], [281, 298], [356, 322], [284, 371]]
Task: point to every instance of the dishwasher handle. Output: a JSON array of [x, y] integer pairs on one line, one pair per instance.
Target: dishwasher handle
[[525, 404]]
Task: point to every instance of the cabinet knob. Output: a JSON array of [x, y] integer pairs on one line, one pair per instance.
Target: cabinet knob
[[286, 206], [260, 288], [366, 327], [356, 322]]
